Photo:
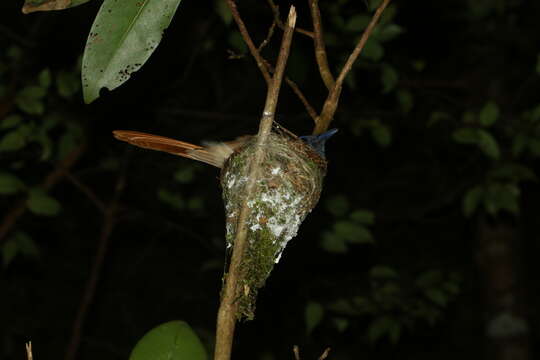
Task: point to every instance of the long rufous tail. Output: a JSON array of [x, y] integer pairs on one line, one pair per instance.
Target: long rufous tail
[[214, 154]]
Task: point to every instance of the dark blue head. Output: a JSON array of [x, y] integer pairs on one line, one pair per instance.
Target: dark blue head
[[317, 141]]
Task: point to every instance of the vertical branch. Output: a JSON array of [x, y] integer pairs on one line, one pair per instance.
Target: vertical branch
[[320, 50], [109, 221], [226, 319], [249, 42], [331, 102]]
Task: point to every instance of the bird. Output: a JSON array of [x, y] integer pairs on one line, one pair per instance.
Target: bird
[[287, 187], [212, 153]]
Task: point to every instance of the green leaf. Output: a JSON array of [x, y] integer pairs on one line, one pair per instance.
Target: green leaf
[[45, 78], [388, 14], [380, 327], [313, 314], [357, 23], [174, 340], [9, 251], [12, 141], [451, 287], [438, 116], [341, 324], [195, 203], [383, 272], [40, 203], [373, 50], [10, 121], [488, 144], [394, 333], [67, 84], [472, 200], [512, 172], [382, 135], [48, 5], [534, 114], [389, 78], [489, 114], [388, 32], [27, 246], [223, 11], [364, 217], [185, 175], [337, 205], [123, 36], [466, 135], [374, 4], [10, 184], [171, 199], [333, 244], [29, 100], [519, 144], [502, 197], [352, 232], [437, 296], [405, 100], [237, 42], [428, 278]]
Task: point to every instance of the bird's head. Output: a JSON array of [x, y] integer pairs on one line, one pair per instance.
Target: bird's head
[[317, 141]]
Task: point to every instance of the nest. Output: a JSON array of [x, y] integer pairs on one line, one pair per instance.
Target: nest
[[288, 188]]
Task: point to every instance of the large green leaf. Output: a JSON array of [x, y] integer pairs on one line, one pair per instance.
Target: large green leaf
[[174, 340], [124, 35]]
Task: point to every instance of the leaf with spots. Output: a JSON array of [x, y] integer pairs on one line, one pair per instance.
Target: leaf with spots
[[124, 35], [31, 6]]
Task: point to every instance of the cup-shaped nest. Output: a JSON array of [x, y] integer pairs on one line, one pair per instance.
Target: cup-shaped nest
[[287, 189]]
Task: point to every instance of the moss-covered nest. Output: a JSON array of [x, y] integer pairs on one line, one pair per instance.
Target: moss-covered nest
[[288, 188]]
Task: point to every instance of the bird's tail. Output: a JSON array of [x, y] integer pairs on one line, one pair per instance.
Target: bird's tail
[[213, 155]]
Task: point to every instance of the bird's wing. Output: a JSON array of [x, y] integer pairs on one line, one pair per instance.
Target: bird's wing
[[215, 154]]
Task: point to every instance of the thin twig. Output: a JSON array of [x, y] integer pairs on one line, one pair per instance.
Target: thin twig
[[109, 221], [226, 319], [86, 191], [277, 19], [325, 353], [320, 50], [362, 42], [264, 65], [268, 37], [331, 102], [310, 110], [52, 179], [247, 38]]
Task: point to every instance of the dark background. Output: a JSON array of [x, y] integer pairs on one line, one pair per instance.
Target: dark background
[[395, 155]]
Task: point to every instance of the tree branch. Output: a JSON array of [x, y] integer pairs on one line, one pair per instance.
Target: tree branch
[[320, 50], [109, 221], [249, 42], [226, 319], [331, 102]]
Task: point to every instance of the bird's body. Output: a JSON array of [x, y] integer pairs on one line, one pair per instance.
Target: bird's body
[[288, 187], [213, 153]]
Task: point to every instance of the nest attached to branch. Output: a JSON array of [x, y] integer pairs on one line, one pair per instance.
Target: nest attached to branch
[[287, 189]]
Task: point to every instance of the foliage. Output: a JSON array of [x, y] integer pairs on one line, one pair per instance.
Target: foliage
[[392, 305], [173, 340]]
